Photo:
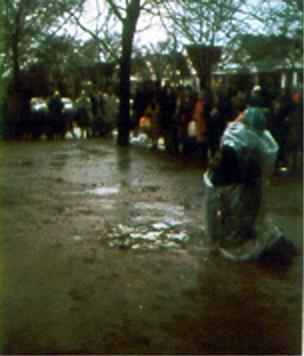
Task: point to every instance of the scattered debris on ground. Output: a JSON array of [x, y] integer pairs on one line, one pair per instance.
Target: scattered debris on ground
[[147, 238]]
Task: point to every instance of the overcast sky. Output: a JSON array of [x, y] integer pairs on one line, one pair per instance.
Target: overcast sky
[[153, 34]]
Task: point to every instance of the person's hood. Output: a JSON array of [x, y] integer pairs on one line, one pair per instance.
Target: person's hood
[[255, 119]]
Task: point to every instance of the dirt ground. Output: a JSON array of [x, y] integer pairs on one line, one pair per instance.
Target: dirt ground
[[68, 286]]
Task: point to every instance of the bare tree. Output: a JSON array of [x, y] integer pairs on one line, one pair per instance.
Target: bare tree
[[195, 21], [122, 14], [128, 16], [102, 29], [203, 26], [280, 17], [110, 15], [202, 21], [277, 38], [24, 24]]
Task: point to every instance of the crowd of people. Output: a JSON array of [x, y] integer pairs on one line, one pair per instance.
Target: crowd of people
[[93, 113], [243, 136], [192, 122], [96, 113]]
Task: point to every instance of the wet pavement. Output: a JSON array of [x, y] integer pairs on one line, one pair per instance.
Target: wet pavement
[[103, 252]]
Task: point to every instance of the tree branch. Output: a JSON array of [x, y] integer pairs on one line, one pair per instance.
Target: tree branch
[[103, 42], [115, 10]]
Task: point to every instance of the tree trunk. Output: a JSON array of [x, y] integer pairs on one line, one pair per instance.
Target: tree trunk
[[205, 81], [15, 56], [15, 98], [129, 28], [16, 67]]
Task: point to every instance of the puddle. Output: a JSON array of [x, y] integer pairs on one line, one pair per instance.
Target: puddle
[[156, 225], [171, 216], [142, 139], [104, 191], [161, 207], [148, 237], [169, 220], [107, 204]]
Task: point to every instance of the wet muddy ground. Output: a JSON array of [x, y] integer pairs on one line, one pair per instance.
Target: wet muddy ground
[[103, 252]]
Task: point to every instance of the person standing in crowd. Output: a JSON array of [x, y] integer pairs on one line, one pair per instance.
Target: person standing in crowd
[[101, 109], [215, 127], [281, 110], [55, 117], [84, 113], [199, 119], [239, 102], [295, 135], [168, 124], [226, 105], [111, 111], [95, 124], [257, 95], [138, 108], [142, 99], [185, 106], [152, 113]]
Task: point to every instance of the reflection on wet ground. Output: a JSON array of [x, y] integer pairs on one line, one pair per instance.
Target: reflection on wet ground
[[161, 207], [104, 191], [153, 225], [143, 140], [105, 253]]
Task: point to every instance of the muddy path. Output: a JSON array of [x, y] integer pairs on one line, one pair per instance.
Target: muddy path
[[102, 252]]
